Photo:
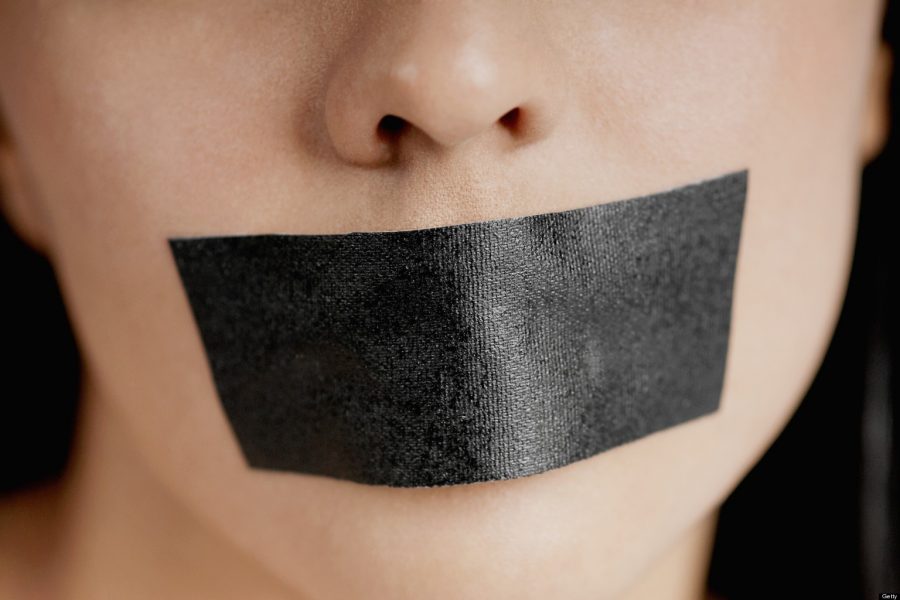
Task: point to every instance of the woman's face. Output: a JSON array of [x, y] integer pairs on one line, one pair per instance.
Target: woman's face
[[133, 122]]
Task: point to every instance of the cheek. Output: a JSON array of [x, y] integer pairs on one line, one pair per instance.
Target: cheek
[[163, 117], [157, 131], [665, 88], [683, 89], [804, 218], [134, 136]]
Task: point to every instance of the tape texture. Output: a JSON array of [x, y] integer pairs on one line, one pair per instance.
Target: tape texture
[[472, 352]]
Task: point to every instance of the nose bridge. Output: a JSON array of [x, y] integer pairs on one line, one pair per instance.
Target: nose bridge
[[447, 71]]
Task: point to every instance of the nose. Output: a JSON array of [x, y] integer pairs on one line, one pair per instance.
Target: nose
[[432, 77]]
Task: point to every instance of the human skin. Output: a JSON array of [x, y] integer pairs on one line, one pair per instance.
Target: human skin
[[132, 122]]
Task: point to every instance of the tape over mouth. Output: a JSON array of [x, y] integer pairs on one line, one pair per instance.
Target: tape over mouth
[[473, 352]]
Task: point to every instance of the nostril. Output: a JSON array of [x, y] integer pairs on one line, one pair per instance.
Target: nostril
[[512, 119], [391, 126]]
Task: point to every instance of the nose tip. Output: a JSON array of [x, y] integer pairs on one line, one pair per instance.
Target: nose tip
[[435, 85], [451, 102]]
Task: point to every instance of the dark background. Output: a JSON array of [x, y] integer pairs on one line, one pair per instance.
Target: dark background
[[818, 516]]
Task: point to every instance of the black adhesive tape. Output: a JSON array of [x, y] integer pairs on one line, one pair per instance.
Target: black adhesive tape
[[473, 352]]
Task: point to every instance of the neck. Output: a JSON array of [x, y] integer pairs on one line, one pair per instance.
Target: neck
[[113, 530]]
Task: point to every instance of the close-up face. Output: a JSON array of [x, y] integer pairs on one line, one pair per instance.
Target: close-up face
[[129, 124]]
